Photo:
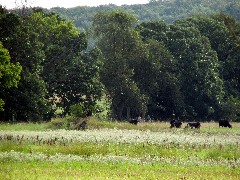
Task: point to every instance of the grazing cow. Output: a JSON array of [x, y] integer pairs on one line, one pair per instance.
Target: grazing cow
[[134, 121], [195, 125], [224, 123], [81, 125], [175, 123]]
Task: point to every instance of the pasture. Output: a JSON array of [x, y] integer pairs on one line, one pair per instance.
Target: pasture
[[119, 150]]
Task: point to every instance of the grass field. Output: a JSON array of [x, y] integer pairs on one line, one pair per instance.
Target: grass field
[[119, 150]]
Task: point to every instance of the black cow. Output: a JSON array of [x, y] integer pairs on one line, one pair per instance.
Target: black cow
[[133, 121], [195, 125], [224, 123], [175, 123]]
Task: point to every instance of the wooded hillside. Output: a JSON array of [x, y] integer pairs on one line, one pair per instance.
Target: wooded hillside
[[166, 10]]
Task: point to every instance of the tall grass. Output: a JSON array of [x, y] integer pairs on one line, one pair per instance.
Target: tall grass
[[119, 150], [93, 123], [24, 126], [229, 152]]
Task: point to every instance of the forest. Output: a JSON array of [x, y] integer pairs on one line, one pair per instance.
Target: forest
[[156, 10], [182, 64]]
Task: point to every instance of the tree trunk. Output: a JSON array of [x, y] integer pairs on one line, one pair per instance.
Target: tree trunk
[[128, 113], [120, 112]]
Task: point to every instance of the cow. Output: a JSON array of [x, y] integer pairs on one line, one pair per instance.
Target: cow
[[134, 121], [82, 125], [224, 123], [195, 125], [175, 123]]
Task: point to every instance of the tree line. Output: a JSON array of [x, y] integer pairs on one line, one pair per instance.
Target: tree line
[[188, 69]]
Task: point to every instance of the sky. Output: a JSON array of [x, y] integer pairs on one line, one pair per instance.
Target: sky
[[9, 4]]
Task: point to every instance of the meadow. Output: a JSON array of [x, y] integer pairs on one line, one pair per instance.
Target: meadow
[[119, 150]]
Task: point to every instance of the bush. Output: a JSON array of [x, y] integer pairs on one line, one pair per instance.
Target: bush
[[81, 110], [58, 123], [230, 109]]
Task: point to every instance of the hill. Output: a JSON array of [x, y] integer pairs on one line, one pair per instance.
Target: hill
[[166, 10]]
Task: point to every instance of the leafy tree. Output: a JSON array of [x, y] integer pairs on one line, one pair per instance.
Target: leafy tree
[[162, 84], [9, 73], [197, 71], [71, 72], [222, 30], [122, 49], [153, 30], [82, 83], [55, 64], [27, 101], [159, 80], [229, 62]]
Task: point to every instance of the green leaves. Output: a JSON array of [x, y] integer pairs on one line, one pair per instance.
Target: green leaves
[[55, 63], [122, 49], [198, 70], [9, 73], [189, 67]]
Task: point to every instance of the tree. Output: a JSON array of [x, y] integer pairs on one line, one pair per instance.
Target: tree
[[222, 30], [82, 84], [157, 77], [122, 49], [69, 69], [9, 73], [153, 30], [162, 82], [229, 62], [198, 66], [27, 101], [55, 64]]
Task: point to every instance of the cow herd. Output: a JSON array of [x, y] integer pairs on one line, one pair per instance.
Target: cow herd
[[196, 125]]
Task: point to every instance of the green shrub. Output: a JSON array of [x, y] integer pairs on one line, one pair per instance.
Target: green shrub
[[77, 110], [230, 109], [58, 123]]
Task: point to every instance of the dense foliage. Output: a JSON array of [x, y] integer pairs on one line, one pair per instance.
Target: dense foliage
[[158, 10], [187, 69], [9, 73], [178, 69], [122, 50], [57, 69]]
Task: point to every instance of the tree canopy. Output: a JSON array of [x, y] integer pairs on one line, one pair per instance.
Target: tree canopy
[[122, 49], [188, 68], [55, 65], [9, 73]]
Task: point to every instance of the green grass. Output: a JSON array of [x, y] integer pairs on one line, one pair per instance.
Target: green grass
[[24, 126], [30, 158], [91, 170], [229, 152], [93, 123]]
